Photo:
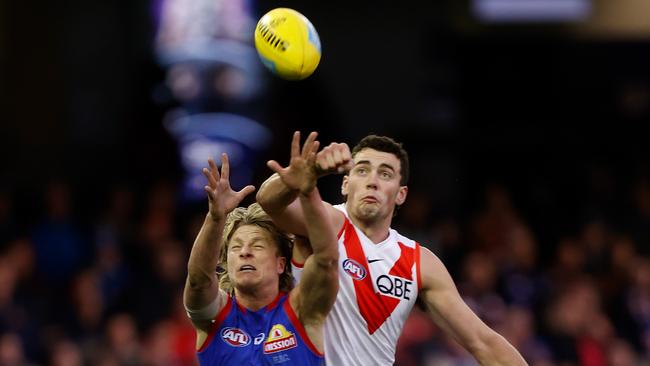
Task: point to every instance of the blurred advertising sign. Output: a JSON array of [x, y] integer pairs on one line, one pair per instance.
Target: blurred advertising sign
[[531, 10]]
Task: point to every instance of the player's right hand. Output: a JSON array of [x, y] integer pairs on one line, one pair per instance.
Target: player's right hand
[[335, 158], [221, 197], [301, 174]]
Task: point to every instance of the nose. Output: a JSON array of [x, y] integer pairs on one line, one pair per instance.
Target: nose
[[371, 181], [245, 251]]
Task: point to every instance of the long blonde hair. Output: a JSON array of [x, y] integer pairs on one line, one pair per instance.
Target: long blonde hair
[[255, 215]]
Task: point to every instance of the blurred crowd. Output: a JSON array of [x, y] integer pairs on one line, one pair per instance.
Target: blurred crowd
[[101, 283], [582, 298]]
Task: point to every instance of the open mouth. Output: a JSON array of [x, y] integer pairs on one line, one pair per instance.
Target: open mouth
[[247, 268]]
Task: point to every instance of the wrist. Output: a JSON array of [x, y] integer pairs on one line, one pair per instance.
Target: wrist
[[307, 191], [216, 217]]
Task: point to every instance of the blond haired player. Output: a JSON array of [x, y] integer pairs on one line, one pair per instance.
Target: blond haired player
[[381, 273], [251, 315]]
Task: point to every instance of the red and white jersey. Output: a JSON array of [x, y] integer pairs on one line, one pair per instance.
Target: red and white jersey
[[379, 284]]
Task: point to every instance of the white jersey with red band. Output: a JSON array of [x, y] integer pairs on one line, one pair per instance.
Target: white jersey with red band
[[296, 271], [379, 284]]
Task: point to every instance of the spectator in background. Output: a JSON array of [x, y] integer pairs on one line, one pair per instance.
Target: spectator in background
[[11, 350], [640, 221], [495, 222], [58, 240]]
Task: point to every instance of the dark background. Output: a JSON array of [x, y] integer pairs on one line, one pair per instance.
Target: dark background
[[553, 113]]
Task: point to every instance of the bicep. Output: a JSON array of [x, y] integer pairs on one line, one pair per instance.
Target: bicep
[[445, 305], [202, 306], [316, 290]]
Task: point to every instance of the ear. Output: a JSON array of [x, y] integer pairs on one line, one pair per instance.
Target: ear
[[344, 186], [401, 195], [281, 264]]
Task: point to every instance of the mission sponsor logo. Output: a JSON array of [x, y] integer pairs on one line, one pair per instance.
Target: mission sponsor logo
[[280, 339], [354, 269], [235, 337]]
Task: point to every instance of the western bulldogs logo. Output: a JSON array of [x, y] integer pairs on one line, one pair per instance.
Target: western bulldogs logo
[[354, 269], [235, 337]]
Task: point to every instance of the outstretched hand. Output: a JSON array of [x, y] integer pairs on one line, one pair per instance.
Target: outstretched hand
[[221, 196], [301, 174]]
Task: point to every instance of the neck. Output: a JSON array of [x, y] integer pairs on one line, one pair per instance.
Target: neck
[[376, 230], [255, 299]]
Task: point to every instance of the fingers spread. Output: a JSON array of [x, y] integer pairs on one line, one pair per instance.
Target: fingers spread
[[246, 191], [210, 193], [211, 179], [225, 167], [311, 157], [295, 144], [275, 166], [213, 169], [307, 147]]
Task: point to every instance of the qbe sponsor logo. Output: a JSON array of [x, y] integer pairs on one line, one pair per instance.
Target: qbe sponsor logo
[[394, 286]]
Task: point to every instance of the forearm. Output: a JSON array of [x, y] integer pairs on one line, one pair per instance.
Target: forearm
[[319, 226], [201, 268], [274, 196], [497, 351]]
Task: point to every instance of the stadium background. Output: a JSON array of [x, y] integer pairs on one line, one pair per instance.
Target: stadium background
[[530, 166]]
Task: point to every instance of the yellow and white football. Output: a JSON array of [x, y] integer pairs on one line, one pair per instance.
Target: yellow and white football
[[287, 43]]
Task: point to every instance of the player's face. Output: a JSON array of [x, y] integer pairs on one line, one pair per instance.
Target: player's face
[[253, 259], [373, 185]]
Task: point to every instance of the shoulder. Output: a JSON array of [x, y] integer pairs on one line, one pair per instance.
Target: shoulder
[[338, 215], [403, 239], [434, 272], [341, 208]]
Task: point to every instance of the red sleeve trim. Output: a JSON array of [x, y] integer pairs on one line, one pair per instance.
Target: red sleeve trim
[[296, 264], [299, 327], [217, 322], [417, 265]]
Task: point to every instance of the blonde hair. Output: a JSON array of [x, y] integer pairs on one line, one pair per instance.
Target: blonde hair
[[255, 215]]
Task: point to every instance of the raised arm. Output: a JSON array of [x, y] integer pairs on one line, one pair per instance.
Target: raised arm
[[281, 204], [315, 293], [202, 297], [278, 195], [450, 313]]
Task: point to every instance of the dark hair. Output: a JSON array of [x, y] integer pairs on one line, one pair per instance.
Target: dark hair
[[255, 215], [388, 145]]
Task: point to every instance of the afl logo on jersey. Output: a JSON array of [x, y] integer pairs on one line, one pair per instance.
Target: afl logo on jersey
[[235, 337], [354, 269]]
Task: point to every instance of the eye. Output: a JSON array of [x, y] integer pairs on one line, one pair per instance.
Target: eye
[[258, 246], [361, 170], [386, 175]]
